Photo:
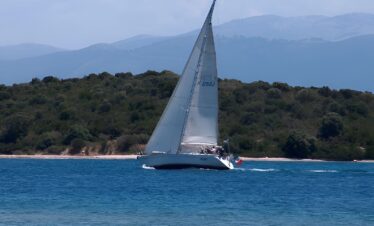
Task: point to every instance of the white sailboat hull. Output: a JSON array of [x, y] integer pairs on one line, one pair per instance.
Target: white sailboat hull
[[189, 123], [181, 161]]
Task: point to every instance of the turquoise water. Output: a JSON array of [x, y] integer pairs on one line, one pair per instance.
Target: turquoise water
[[121, 192]]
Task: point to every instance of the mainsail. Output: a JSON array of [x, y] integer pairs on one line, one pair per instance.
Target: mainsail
[[191, 116]]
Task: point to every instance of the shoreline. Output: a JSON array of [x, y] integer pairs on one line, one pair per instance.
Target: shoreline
[[133, 157], [280, 159], [57, 157]]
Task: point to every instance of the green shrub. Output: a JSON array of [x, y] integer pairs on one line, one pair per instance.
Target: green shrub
[[4, 95], [76, 146], [38, 100], [299, 146], [105, 107], [55, 150], [77, 132], [331, 126], [305, 95], [14, 128], [282, 86], [370, 152], [125, 142], [66, 115], [325, 91], [274, 93], [50, 79], [48, 139]]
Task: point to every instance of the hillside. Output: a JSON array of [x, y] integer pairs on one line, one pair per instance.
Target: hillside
[[343, 64], [302, 27], [26, 50], [302, 51], [109, 114]]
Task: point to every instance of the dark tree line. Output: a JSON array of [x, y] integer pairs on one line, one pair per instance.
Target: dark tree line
[[106, 114]]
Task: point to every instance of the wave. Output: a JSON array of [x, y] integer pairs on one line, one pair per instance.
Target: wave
[[323, 171], [147, 167]]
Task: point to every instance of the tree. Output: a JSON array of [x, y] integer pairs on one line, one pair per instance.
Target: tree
[[127, 141], [248, 118], [15, 127], [105, 107], [4, 95], [38, 100], [76, 146], [299, 146], [325, 91], [370, 152], [35, 81], [48, 139], [77, 132], [50, 79], [331, 126], [282, 86], [66, 115], [305, 95], [274, 93]]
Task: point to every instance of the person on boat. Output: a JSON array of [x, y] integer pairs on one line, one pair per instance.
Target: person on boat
[[219, 151], [222, 152]]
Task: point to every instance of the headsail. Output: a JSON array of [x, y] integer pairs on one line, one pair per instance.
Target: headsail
[[192, 112], [202, 122]]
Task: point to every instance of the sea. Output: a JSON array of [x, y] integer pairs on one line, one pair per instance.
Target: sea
[[123, 192]]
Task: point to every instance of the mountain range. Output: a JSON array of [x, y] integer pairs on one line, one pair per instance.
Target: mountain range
[[305, 51], [26, 50]]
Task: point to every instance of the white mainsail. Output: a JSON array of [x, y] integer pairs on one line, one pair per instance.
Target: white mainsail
[[191, 116]]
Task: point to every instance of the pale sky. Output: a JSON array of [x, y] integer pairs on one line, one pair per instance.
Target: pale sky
[[79, 23]]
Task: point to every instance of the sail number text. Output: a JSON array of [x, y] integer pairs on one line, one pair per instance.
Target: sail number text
[[208, 84]]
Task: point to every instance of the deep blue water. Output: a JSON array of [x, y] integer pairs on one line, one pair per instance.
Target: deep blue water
[[121, 192]]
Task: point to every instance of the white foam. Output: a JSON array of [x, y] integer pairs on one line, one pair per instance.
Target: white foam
[[323, 171], [147, 167], [256, 170], [262, 170]]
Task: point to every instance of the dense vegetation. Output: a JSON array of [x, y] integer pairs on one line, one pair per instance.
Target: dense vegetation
[[109, 114]]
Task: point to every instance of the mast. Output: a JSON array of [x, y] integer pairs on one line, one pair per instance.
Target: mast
[[175, 121]]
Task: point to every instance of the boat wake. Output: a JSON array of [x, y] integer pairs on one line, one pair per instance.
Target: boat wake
[[263, 170], [256, 170], [323, 171], [147, 167], [278, 170]]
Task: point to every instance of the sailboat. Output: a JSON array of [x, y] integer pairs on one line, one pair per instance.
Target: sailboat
[[187, 134]]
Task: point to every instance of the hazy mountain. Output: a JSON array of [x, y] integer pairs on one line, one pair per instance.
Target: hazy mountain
[[342, 64], [269, 26], [296, 28], [138, 41], [26, 50], [270, 48]]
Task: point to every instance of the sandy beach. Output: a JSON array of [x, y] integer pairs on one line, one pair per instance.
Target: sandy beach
[[132, 157], [267, 159], [113, 157]]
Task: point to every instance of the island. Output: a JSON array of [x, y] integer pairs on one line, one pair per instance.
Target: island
[[104, 114]]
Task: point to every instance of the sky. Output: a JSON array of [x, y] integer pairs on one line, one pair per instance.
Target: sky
[[74, 24]]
